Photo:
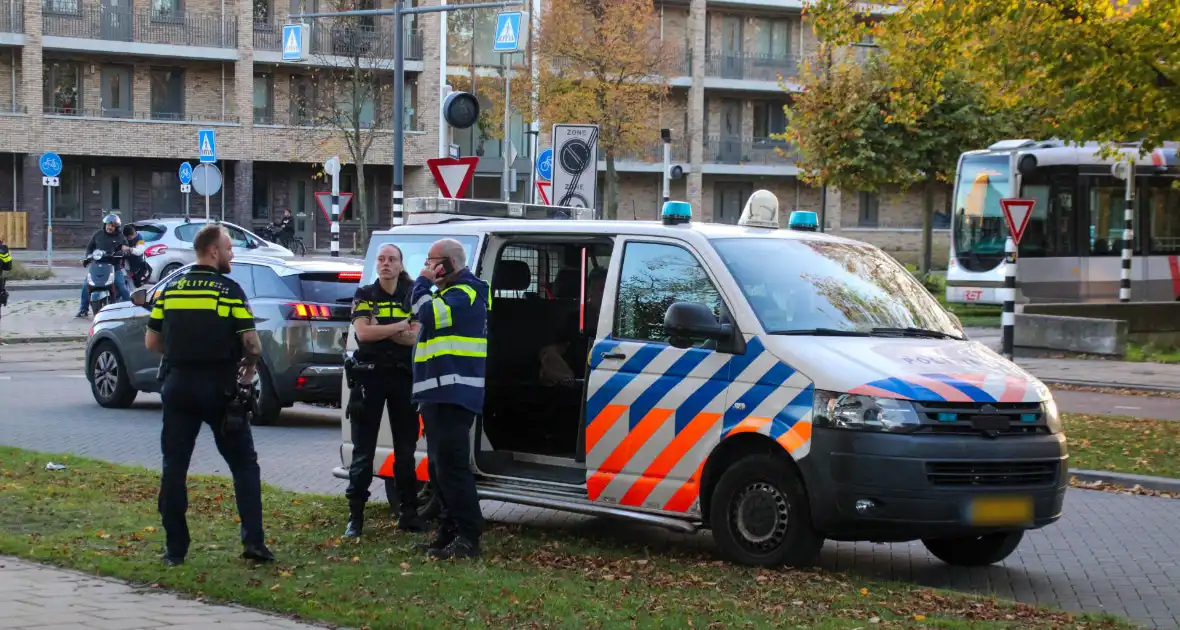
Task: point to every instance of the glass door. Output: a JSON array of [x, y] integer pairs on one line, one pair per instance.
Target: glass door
[[116, 92]]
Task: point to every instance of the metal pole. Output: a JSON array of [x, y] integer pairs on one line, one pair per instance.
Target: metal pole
[[506, 145], [206, 207], [667, 165], [1008, 317], [1128, 236], [336, 215], [534, 140], [399, 80], [186, 205], [49, 229]]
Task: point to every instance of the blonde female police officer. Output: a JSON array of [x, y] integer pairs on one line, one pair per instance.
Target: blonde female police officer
[[385, 339]]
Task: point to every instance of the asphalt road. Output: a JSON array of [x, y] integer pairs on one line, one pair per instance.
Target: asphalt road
[[1112, 553]]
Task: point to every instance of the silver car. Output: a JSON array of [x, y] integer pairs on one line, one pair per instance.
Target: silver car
[[301, 311], [169, 243]]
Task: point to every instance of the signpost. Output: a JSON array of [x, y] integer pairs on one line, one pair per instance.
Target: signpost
[[507, 42], [51, 166], [1126, 172], [294, 42], [575, 172], [543, 189], [508, 32], [186, 180], [545, 165], [332, 168], [1016, 215], [453, 175], [206, 181], [207, 145]]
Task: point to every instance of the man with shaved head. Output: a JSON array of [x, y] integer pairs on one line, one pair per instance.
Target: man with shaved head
[[449, 387]]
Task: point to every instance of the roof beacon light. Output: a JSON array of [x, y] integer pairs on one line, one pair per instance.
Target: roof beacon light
[[676, 212], [761, 210], [803, 220]]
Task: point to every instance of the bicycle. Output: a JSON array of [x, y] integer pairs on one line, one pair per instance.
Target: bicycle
[[296, 246]]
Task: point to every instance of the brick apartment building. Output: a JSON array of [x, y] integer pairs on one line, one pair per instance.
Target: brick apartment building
[[120, 88]]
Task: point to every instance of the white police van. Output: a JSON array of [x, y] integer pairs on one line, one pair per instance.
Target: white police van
[[778, 386]]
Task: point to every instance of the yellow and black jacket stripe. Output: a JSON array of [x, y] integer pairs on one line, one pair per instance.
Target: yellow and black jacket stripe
[[201, 315]]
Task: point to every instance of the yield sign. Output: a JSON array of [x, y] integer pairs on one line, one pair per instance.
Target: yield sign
[[324, 200], [1016, 214], [453, 175], [543, 189]]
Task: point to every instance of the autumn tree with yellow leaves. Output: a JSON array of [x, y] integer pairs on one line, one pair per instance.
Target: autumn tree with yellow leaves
[[603, 62]]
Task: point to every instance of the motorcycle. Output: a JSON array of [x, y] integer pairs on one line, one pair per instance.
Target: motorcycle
[[100, 278]]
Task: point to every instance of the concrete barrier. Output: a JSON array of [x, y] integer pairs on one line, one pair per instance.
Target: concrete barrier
[[1147, 322], [1071, 334]]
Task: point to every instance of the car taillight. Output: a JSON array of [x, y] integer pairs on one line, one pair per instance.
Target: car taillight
[[354, 276], [300, 310], [155, 250]]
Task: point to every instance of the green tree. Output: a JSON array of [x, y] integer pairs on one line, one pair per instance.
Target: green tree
[[846, 134]]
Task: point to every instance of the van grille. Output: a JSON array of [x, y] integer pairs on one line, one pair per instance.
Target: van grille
[[992, 473], [983, 419]]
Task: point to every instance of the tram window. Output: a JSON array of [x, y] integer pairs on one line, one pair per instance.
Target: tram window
[[1050, 228], [1163, 207], [1107, 203]]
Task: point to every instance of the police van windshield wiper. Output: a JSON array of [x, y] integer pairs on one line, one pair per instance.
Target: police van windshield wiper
[[915, 332], [822, 332]]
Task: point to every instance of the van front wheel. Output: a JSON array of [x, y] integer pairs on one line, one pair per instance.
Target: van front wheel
[[974, 551], [760, 515]]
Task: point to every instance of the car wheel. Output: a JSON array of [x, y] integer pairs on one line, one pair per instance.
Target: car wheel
[[760, 515], [429, 503], [108, 378], [266, 401], [167, 270], [974, 551]]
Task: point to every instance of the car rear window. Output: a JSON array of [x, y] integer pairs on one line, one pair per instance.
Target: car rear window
[[324, 287], [150, 233]]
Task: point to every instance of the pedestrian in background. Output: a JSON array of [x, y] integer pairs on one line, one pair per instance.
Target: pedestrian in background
[[202, 324], [449, 387]]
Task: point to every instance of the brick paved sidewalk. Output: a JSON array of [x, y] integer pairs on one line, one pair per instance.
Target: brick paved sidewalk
[[45, 598]]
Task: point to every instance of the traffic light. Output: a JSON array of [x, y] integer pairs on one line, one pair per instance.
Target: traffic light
[[460, 110]]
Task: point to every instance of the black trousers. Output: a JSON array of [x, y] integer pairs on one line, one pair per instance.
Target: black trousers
[[448, 445], [193, 397], [385, 390]]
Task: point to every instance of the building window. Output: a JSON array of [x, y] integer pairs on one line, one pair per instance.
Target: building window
[[167, 94], [769, 119], [67, 198], [773, 39], [264, 99], [303, 97], [166, 10], [410, 114], [351, 115], [870, 206], [261, 209], [262, 11], [115, 97], [166, 196], [348, 185], [61, 6], [63, 88]]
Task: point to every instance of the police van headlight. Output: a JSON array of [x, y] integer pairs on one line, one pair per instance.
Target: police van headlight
[[864, 413], [1052, 417]]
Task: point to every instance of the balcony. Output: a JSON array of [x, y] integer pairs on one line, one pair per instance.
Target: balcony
[[334, 44], [750, 156], [12, 21], [648, 159], [126, 133], [173, 34], [293, 136], [740, 66]]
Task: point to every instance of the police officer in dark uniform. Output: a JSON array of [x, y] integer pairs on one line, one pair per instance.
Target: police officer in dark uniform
[[5, 265], [381, 378], [202, 324]]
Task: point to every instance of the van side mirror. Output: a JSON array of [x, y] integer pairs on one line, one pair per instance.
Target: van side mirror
[[688, 321], [139, 297]]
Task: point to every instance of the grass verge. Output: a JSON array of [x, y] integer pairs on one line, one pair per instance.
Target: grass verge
[[1151, 353], [101, 518], [1122, 444], [21, 271]]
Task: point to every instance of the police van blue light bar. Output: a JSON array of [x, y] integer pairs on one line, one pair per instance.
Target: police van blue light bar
[[803, 220], [676, 212]]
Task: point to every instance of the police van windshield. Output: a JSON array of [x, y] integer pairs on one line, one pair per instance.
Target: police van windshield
[[802, 286], [414, 249]]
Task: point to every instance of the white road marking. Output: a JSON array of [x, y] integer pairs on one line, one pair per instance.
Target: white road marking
[[1121, 407]]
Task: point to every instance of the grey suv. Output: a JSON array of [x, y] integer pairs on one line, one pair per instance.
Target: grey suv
[[301, 309]]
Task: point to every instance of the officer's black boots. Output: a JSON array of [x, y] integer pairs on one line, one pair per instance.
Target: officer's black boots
[[411, 522], [257, 552], [459, 549], [356, 520], [172, 561], [442, 538]]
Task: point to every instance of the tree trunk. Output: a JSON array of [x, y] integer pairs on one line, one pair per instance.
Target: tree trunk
[[610, 204], [362, 204], [927, 227]]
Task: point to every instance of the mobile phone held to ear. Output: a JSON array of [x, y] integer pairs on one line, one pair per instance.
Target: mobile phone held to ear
[[446, 267]]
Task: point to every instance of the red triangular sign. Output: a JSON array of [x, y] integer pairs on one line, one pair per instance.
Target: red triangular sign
[[453, 175], [1016, 214], [324, 201], [543, 192]]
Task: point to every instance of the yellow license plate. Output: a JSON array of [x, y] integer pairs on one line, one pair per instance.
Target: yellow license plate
[[999, 511]]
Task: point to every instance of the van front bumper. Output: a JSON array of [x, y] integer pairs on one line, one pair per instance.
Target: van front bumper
[[890, 488]]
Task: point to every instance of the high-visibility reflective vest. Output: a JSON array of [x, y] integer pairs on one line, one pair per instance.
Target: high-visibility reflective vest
[[453, 345]]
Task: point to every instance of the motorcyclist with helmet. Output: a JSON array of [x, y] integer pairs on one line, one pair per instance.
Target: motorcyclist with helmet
[[110, 240]]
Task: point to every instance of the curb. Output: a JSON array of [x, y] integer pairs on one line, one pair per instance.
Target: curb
[[1102, 385], [1159, 484], [57, 339], [60, 286]]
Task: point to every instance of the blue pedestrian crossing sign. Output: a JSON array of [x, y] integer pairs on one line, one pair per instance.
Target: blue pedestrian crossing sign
[[207, 146], [293, 42], [50, 164], [507, 32], [186, 173]]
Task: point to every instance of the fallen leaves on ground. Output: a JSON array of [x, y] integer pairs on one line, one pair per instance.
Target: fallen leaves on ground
[[1118, 391], [1121, 489], [1140, 446]]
